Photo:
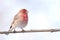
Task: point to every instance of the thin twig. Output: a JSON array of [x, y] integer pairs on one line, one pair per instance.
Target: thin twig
[[28, 31]]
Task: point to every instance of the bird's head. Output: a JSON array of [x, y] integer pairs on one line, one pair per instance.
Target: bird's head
[[23, 11]]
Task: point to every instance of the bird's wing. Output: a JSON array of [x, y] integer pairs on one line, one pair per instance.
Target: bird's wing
[[15, 18]]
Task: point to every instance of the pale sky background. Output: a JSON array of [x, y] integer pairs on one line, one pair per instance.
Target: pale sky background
[[43, 14]]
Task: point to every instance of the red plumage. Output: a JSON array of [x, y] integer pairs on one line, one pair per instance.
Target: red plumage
[[20, 20]]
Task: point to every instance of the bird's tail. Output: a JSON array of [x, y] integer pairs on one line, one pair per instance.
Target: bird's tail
[[9, 30]]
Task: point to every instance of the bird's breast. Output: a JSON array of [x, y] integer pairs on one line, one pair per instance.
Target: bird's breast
[[24, 17]]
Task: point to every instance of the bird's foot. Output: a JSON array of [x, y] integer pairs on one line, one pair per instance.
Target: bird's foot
[[14, 31], [23, 30]]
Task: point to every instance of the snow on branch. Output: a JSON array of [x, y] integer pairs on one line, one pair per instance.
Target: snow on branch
[[29, 31]]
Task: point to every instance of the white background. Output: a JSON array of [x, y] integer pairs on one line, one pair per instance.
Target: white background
[[43, 14]]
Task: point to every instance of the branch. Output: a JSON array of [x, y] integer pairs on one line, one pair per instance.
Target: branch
[[28, 31]]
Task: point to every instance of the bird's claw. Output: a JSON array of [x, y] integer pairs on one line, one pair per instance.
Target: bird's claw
[[14, 31], [23, 31]]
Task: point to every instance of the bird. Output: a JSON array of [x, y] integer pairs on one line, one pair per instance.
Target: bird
[[20, 20]]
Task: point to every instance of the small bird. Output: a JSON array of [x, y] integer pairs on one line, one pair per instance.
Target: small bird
[[20, 20]]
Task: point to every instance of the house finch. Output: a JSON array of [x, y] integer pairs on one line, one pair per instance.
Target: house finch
[[20, 20]]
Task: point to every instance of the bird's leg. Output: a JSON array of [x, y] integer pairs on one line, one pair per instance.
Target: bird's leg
[[14, 31], [23, 30]]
